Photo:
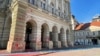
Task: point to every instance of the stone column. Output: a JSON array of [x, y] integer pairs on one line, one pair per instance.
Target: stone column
[[56, 43], [16, 41], [63, 40], [36, 39], [47, 43]]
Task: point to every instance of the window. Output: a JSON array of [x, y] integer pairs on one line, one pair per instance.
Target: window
[[59, 13], [52, 10], [41, 4], [88, 33], [83, 34], [31, 1], [79, 33], [52, 5], [93, 33], [44, 6]]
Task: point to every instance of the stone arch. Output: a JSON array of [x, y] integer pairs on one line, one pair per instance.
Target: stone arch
[[55, 29], [44, 34], [30, 35], [62, 30]]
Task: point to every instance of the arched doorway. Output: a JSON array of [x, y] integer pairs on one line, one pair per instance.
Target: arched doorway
[[44, 35], [28, 35], [5, 33]]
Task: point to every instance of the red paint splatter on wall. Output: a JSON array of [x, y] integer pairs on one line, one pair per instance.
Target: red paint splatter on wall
[[39, 43], [17, 46], [47, 39]]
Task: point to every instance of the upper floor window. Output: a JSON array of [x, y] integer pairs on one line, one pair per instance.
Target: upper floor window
[[31, 1], [93, 33], [83, 34], [43, 5], [52, 10], [52, 6], [88, 33], [59, 10]]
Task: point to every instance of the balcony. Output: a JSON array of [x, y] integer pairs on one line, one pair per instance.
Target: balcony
[[50, 10]]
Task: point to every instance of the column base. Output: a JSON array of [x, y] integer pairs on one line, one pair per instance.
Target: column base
[[16, 46], [70, 44], [57, 44], [35, 45], [64, 44], [48, 45]]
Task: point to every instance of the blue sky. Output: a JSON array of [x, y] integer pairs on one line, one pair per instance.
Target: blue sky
[[84, 10]]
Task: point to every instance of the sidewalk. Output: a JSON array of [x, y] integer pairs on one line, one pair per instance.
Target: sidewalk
[[45, 52], [27, 54]]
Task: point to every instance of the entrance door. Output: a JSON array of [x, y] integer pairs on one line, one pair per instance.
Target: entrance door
[[28, 35], [94, 41]]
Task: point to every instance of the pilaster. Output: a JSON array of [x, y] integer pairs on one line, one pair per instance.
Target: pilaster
[[16, 41]]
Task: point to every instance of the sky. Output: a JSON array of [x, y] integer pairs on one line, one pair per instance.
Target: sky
[[85, 10]]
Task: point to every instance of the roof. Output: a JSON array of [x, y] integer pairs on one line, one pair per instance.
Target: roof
[[86, 25]]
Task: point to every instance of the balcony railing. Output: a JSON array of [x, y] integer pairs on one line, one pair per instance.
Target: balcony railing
[[49, 9]]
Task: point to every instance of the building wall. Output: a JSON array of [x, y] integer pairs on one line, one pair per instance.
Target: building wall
[[74, 22], [39, 17], [86, 36], [94, 28]]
